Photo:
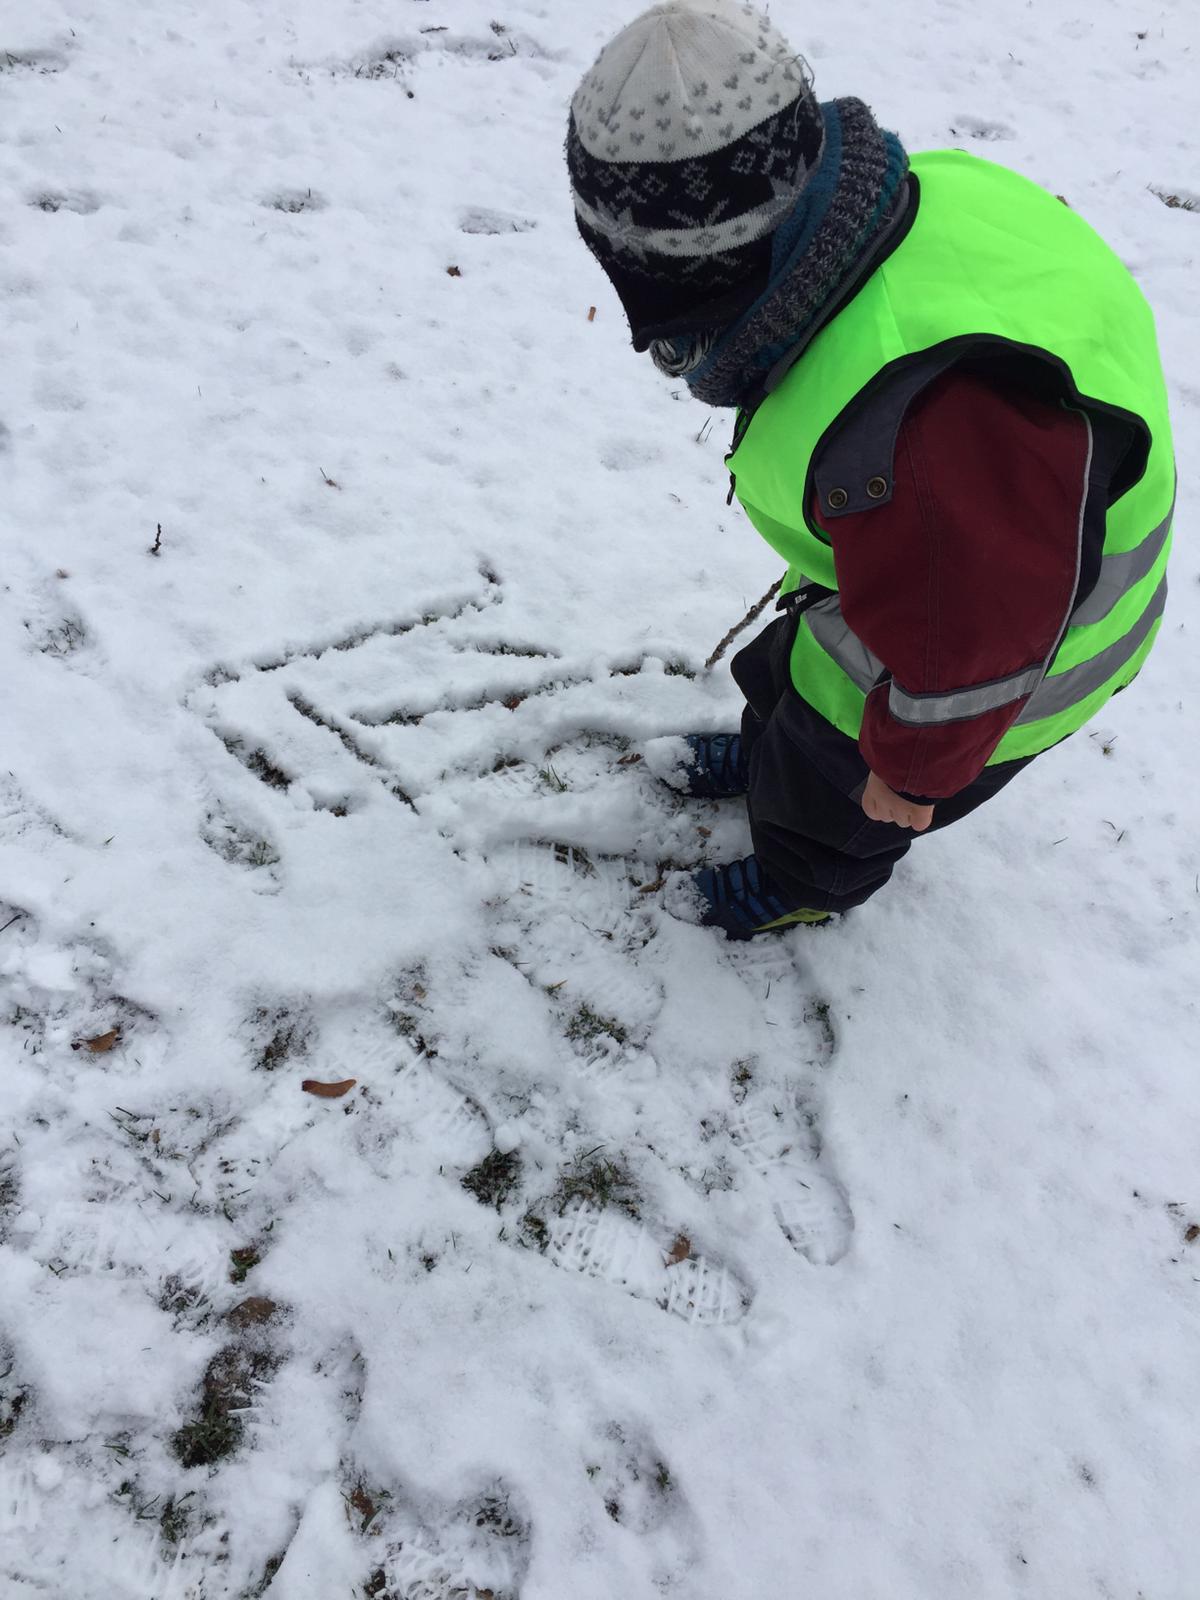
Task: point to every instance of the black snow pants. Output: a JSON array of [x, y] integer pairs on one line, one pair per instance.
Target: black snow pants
[[811, 834]]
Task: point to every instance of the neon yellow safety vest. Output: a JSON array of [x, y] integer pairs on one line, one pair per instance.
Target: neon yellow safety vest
[[990, 259]]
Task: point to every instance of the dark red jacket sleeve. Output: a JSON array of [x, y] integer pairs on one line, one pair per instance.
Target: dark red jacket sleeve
[[966, 576]]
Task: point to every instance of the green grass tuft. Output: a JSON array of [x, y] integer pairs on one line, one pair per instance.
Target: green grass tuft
[[584, 1025], [495, 1178], [600, 1181]]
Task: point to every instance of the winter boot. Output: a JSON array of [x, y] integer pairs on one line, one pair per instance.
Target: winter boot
[[739, 898], [715, 768]]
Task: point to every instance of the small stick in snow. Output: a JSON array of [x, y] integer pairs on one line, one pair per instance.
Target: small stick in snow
[[591, 313], [753, 612], [156, 548]]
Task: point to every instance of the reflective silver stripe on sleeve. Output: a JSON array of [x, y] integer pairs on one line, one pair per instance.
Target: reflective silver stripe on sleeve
[[1119, 573], [1049, 696], [1068, 688], [832, 632], [926, 710]]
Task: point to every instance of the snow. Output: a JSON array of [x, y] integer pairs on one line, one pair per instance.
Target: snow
[[892, 1295]]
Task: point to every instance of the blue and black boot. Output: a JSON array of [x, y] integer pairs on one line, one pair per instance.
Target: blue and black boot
[[716, 768], [740, 899]]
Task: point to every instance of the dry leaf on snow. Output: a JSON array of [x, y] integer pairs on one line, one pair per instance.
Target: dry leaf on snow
[[101, 1044], [328, 1091]]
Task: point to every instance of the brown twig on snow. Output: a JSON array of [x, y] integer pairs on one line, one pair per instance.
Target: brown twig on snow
[[156, 548], [754, 611]]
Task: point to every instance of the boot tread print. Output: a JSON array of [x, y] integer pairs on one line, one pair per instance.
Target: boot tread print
[[738, 898]]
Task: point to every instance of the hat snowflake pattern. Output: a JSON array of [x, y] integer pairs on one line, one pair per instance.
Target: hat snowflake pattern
[[689, 140]]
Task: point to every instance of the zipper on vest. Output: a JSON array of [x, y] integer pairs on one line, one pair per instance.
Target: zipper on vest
[[741, 423]]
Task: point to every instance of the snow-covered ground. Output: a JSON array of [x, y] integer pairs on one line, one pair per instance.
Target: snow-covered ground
[[859, 1265]]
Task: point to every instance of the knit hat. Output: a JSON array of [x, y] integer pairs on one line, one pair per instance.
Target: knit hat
[[689, 141]]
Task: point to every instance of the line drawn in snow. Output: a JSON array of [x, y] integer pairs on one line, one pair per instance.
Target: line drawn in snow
[[493, 741], [510, 697], [272, 760], [443, 612], [474, 701]]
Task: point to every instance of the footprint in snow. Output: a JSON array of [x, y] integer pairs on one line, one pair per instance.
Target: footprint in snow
[[542, 883], [241, 846], [601, 1242], [809, 1203], [627, 455], [21, 815], [640, 1492], [395, 59], [776, 1124], [479, 219], [40, 61], [294, 201], [981, 128], [1176, 199], [425, 1548], [81, 201]]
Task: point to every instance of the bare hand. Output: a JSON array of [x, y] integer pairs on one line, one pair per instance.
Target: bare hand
[[884, 805]]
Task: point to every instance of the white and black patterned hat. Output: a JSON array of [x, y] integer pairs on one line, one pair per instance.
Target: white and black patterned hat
[[689, 141]]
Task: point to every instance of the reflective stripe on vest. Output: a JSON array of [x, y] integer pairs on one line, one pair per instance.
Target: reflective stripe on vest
[[1050, 696], [990, 259]]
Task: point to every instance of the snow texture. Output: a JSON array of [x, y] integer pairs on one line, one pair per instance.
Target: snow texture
[[860, 1264]]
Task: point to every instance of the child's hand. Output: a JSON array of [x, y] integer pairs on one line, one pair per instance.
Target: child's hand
[[884, 805]]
